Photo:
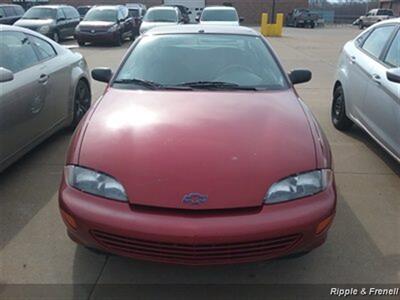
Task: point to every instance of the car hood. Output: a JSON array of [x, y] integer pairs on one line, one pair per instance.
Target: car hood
[[95, 24], [150, 25], [228, 146], [32, 23], [218, 23]]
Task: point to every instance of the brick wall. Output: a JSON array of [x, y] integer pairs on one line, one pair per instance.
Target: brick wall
[[249, 9]]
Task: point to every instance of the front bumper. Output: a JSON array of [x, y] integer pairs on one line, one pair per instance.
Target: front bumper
[[96, 37], [197, 238]]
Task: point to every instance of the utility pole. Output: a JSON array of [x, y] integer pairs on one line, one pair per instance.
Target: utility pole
[[273, 11]]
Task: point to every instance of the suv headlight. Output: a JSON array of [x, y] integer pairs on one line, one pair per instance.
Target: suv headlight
[[298, 186], [44, 29], [96, 183]]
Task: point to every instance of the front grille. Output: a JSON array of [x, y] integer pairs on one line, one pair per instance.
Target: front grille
[[196, 253], [97, 30]]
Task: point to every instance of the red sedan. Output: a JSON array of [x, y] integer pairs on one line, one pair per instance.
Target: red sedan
[[199, 152]]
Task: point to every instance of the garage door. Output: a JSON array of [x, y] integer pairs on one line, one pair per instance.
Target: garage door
[[195, 6]]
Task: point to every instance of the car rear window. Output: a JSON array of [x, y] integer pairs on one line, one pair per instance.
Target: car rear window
[[217, 15], [177, 59]]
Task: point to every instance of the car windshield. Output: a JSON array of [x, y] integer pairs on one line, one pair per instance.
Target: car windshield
[[161, 15], [385, 12], [105, 15], [227, 15], [40, 13], [201, 61]]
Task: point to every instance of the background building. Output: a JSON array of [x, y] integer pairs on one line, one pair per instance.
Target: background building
[[393, 4], [249, 9]]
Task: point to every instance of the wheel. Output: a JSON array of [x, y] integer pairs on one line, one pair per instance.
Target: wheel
[[81, 43], [312, 25], [361, 25], [338, 112], [82, 101], [56, 37]]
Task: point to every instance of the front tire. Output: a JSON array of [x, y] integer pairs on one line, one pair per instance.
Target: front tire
[[361, 25], [82, 102], [338, 111], [81, 43]]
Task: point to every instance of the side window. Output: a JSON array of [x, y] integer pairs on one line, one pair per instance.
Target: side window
[[16, 51], [120, 15], [143, 12], [377, 41], [45, 50], [361, 39], [19, 10], [2, 13], [393, 55], [74, 12], [124, 12], [9, 10], [60, 14]]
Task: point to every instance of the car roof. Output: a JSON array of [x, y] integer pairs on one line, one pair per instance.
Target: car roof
[[51, 6], [164, 7], [107, 6], [219, 7], [3, 5], [201, 29], [390, 21]]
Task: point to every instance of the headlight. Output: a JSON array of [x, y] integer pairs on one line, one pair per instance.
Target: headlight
[[44, 29], [95, 183], [113, 28], [299, 186]]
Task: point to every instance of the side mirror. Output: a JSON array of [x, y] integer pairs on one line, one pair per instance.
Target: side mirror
[[300, 76], [6, 75], [197, 18], [241, 19], [393, 75], [102, 74]]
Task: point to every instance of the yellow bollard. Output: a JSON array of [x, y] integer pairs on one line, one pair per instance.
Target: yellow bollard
[[275, 29]]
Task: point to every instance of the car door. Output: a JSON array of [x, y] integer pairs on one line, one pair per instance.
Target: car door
[[22, 99], [351, 65], [62, 23], [58, 98], [72, 20], [382, 100]]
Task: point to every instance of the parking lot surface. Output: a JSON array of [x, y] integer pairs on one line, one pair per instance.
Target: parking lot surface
[[363, 246]]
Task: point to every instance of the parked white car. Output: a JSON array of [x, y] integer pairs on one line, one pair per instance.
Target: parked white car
[[219, 15], [160, 16], [367, 88]]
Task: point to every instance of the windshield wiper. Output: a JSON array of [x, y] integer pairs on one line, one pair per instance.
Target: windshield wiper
[[151, 85], [217, 85]]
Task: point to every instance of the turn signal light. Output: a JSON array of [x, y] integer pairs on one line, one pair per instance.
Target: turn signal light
[[69, 220], [324, 225]]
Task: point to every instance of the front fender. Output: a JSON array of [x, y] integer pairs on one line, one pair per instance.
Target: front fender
[[79, 71]]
